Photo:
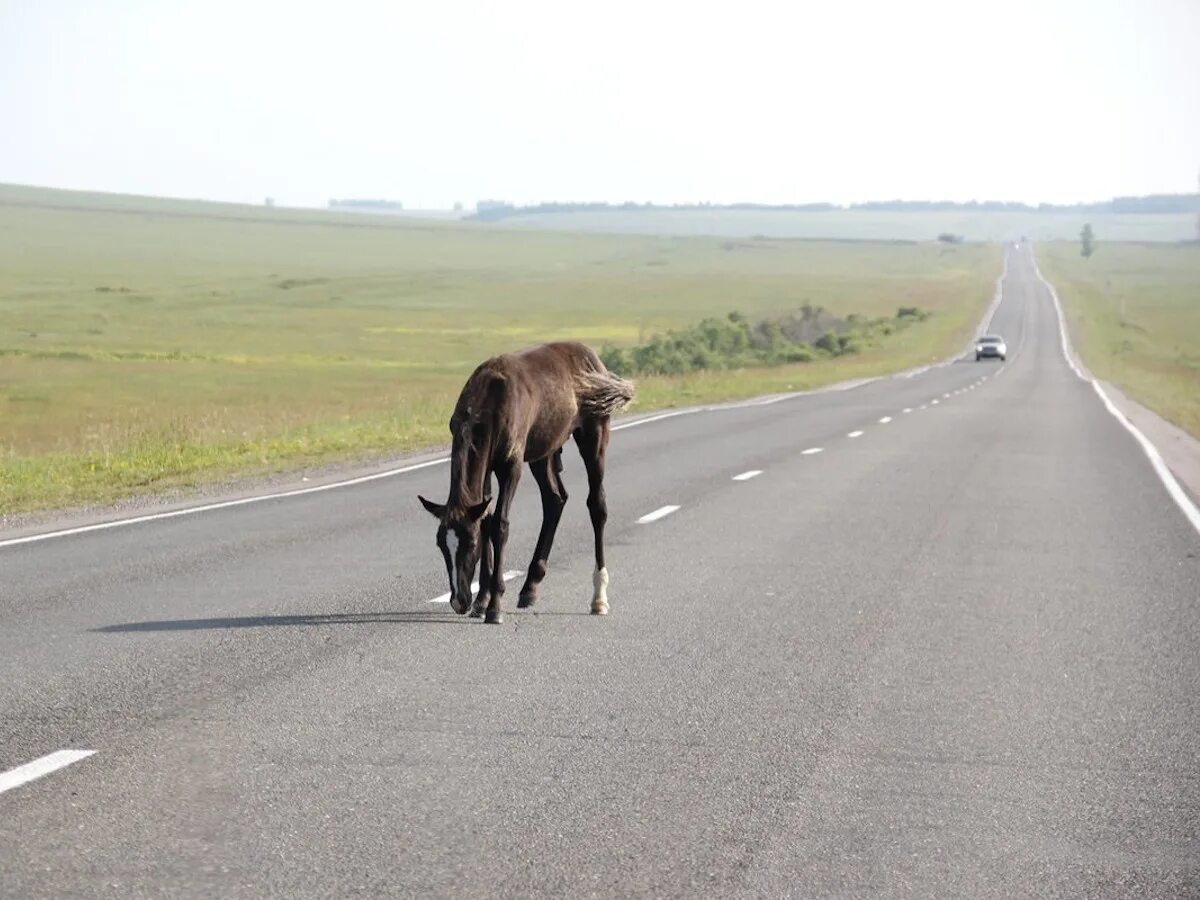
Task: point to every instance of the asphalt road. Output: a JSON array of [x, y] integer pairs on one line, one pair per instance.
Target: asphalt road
[[954, 655]]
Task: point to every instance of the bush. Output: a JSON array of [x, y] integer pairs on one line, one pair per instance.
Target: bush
[[734, 342]]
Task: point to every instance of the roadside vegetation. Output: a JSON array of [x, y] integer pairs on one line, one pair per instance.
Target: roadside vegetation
[[1134, 313], [734, 342], [148, 345]]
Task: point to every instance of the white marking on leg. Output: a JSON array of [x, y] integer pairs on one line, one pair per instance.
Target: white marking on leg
[[659, 513], [39, 767], [600, 592], [746, 476]]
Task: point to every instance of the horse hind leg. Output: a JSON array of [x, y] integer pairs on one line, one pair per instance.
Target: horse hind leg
[[592, 438], [554, 498]]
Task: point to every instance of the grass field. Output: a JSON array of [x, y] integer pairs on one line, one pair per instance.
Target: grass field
[[149, 344], [1134, 311]]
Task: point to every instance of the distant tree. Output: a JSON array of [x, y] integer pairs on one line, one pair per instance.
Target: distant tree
[[1087, 241]]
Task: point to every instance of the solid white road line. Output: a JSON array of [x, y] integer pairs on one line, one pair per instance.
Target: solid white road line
[[810, 451], [746, 476], [191, 510], [854, 434], [445, 598], [1182, 500], [885, 420], [39, 767], [659, 513]]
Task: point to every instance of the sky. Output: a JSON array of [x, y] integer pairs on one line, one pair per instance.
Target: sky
[[434, 102]]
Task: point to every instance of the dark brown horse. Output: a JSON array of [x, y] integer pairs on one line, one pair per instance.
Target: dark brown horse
[[514, 409]]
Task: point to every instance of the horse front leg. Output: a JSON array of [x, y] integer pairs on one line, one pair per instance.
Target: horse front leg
[[554, 498], [507, 476], [485, 569]]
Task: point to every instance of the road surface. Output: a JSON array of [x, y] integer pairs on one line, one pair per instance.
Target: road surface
[[956, 652]]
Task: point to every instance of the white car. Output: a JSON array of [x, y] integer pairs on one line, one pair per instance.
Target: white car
[[991, 346]]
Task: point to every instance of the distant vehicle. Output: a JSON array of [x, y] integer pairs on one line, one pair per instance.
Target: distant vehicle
[[990, 346]]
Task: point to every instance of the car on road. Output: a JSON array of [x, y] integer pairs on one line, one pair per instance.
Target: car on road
[[990, 346]]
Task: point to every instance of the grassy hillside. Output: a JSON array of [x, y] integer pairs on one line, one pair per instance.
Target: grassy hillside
[[146, 344], [1134, 311]]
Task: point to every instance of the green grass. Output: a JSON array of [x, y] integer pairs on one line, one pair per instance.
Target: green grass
[[1134, 312], [150, 344]]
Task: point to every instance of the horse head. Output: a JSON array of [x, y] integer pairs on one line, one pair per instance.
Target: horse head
[[460, 540]]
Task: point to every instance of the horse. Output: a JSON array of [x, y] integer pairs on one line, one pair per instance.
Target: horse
[[521, 408]]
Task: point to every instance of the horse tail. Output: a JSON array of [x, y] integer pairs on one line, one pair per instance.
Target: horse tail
[[601, 394]]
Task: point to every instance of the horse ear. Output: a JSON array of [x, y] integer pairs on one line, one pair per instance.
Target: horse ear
[[476, 512], [435, 509]]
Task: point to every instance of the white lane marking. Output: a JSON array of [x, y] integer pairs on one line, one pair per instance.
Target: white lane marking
[[933, 402], [854, 434], [746, 476], [658, 418], [810, 451], [191, 510], [885, 420], [945, 395], [445, 598], [1182, 500], [39, 767], [923, 406], [908, 409], [659, 513]]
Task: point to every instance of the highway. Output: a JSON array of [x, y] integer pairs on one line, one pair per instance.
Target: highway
[[944, 642]]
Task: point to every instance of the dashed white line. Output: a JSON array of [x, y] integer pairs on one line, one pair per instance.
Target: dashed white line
[[908, 409], [945, 395], [854, 434], [885, 420], [746, 476], [39, 767], [445, 598], [659, 513], [923, 406], [810, 451]]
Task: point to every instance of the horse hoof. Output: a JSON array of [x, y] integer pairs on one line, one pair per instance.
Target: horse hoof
[[526, 600], [493, 617], [599, 609], [475, 612]]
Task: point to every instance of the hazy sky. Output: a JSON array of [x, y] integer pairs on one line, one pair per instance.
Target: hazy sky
[[433, 101]]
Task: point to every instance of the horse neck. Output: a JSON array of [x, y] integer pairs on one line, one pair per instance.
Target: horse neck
[[468, 471]]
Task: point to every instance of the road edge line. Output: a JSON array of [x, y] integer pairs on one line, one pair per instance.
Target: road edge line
[[1174, 490]]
